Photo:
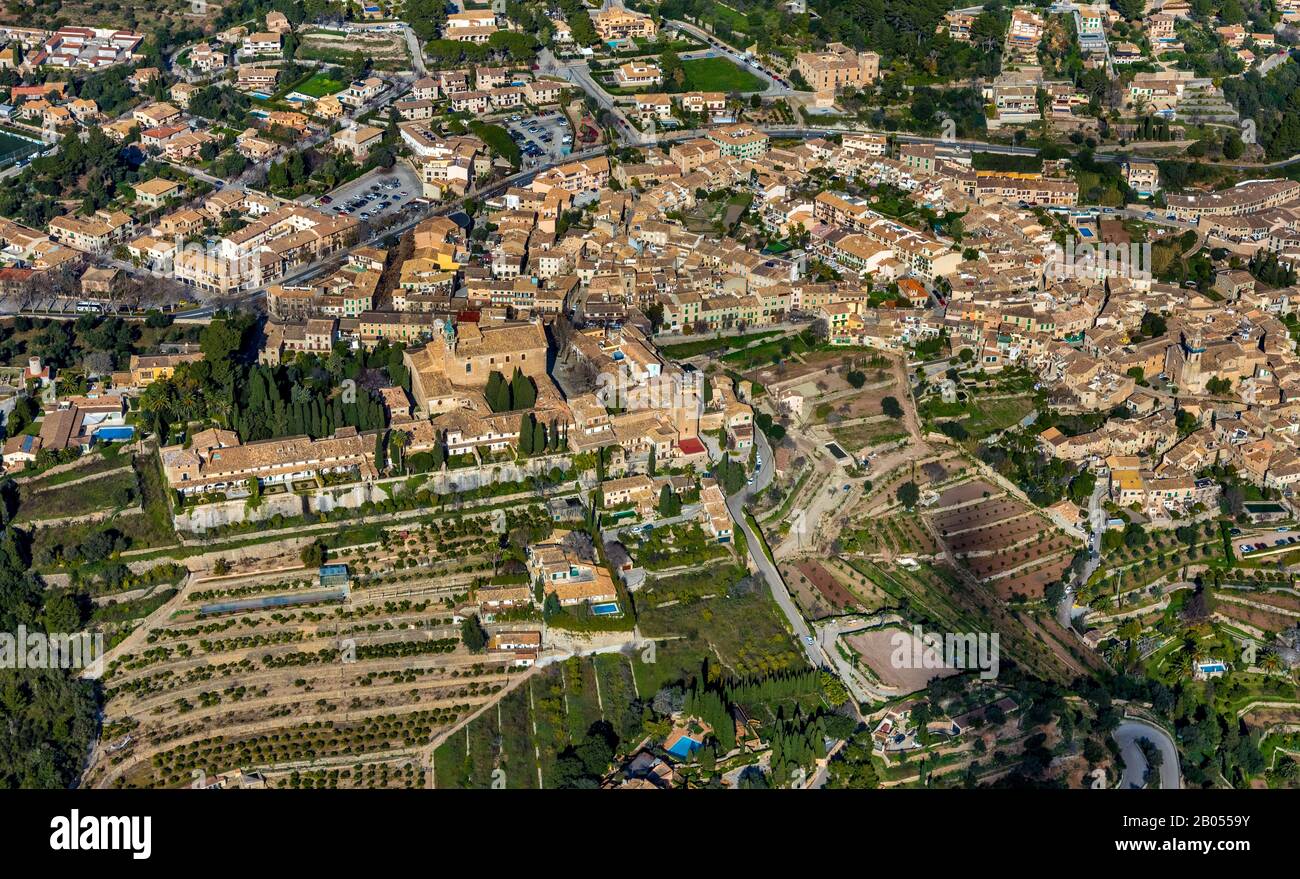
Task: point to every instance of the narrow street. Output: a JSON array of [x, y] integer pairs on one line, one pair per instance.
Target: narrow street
[[736, 505]]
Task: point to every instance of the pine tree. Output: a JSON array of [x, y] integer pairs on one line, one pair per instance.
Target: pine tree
[[650, 464], [381, 460], [539, 437]]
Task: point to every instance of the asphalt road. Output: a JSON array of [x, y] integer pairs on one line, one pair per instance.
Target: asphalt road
[[1097, 522], [736, 506], [1126, 735]]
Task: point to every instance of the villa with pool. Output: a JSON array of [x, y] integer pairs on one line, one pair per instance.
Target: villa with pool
[[568, 569]]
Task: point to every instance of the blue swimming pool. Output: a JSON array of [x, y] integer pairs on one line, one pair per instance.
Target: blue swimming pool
[[1085, 231], [684, 747], [115, 434], [609, 607]]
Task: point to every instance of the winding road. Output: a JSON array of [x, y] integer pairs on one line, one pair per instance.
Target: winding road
[[1127, 735]]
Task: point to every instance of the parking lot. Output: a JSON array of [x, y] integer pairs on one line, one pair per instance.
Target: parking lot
[[1266, 542], [374, 194], [540, 136]]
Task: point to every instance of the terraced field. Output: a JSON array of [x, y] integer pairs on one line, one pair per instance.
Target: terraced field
[[1001, 540], [515, 743], [341, 692]]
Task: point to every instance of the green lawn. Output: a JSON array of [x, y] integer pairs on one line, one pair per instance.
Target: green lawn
[[683, 350], [13, 147], [769, 352], [990, 416], [561, 703], [739, 636], [152, 528], [40, 501], [498, 139], [319, 86], [719, 75]]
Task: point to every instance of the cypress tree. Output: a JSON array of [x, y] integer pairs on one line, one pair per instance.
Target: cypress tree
[[525, 435], [523, 394], [439, 452]]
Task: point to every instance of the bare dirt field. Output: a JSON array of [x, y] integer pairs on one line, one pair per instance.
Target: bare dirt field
[[1002, 541], [965, 493], [994, 537], [825, 583], [877, 649], [989, 566], [1277, 599], [1031, 583], [1254, 616], [387, 48], [985, 513]]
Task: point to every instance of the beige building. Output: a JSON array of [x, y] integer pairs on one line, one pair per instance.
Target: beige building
[[620, 24], [153, 193], [837, 67], [470, 27], [1142, 176], [636, 74], [358, 140]]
